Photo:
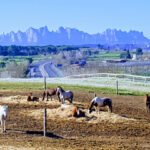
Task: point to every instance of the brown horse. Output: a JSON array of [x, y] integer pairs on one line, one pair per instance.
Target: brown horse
[[31, 98], [50, 92], [147, 102]]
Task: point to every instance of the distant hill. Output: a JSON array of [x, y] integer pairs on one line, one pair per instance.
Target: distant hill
[[71, 36]]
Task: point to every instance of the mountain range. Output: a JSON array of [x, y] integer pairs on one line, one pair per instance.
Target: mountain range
[[71, 36]]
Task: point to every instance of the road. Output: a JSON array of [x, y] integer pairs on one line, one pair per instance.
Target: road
[[48, 69]]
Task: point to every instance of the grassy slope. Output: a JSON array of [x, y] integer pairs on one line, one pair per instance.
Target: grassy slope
[[104, 55]]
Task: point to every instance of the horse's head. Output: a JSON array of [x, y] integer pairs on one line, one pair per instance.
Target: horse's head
[[147, 98], [58, 90], [3, 108], [91, 106], [90, 110], [30, 94], [146, 95]]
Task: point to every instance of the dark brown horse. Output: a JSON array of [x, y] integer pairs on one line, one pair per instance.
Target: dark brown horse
[[147, 101], [31, 98], [50, 92]]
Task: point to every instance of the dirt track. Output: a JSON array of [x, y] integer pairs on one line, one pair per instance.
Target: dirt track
[[24, 126]]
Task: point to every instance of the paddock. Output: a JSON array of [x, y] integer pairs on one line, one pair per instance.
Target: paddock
[[127, 127]]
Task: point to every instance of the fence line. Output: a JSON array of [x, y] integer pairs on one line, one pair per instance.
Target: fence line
[[125, 81], [126, 76]]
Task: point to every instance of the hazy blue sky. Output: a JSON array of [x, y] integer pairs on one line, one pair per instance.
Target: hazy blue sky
[[88, 15]]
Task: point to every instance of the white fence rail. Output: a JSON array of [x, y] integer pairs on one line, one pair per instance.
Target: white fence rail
[[117, 76]]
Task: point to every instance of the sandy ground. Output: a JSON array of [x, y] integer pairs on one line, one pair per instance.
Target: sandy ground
[[128, 127]]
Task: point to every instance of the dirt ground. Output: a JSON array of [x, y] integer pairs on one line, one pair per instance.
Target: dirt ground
[[128, 127]]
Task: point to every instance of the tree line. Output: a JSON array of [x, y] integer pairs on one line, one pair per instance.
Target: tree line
[[14, 50]]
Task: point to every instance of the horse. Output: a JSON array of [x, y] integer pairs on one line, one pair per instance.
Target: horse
[[3, 117], [76, 112], [98, 102], [64, 95], [50, 92], [31, 98], [147, 102]]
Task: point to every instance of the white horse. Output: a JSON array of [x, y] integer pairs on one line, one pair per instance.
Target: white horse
[[98, 102], [3, 116], [64, 95]]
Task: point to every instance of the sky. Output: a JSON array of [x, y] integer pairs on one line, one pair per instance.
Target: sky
[[91, 16]]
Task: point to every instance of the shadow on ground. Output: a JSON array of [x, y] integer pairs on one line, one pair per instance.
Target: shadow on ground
[[48, 134]]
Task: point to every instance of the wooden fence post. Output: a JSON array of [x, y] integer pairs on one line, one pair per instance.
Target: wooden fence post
[[45, 83], [45, 114], [45, 122], [117, 87]]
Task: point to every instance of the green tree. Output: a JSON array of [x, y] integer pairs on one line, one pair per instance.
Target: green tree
[[30, 60], [125, 55], [139, 51]]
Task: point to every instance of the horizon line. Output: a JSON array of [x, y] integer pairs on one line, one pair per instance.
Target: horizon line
[[52, 30]]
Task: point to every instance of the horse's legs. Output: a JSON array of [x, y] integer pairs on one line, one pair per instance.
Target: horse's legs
[[59, 99], [97, 109], [147, 108], [51, 98], [4, 128], [58, 95], [62, 101], [43, 96], [2, 125], [47, 96], [71, 99], [109, 108]]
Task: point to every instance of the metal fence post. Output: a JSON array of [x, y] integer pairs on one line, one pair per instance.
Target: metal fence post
[[45, 114], [117, 87], [45, 122], [45, 83]]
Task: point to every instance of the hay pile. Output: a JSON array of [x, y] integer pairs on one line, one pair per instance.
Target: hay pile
[[18, 99], [65, 112], [107, 117], [13, 99]]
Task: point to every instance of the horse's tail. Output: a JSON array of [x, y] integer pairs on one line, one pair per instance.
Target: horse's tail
[[58, 95], [71, 97], [110, 107], [108, 103]]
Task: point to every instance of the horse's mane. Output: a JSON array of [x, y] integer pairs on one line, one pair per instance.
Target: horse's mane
[[147, 98], [61, 88]]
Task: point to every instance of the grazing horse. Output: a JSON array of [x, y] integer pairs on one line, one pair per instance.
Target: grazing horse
[[98, 102], [64, 95], [50, 92], [3, 116], [147, 102], [31, 98]]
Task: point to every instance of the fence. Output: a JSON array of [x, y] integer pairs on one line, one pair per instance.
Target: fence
[[117, 76], [125, 81]]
